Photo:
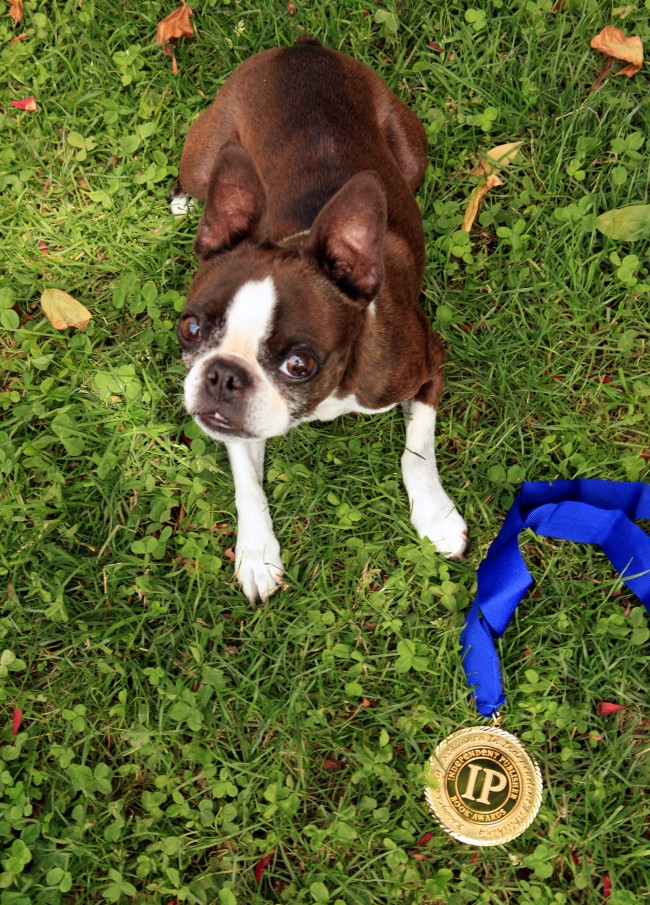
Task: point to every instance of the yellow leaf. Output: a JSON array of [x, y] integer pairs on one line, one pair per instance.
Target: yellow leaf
[[498, 157], [626, 223], [479, 192], [614, 43], [63, 311]]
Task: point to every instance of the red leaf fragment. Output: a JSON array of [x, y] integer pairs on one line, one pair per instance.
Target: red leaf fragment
[[645, 454], [260, 867], [18, 718], [433, 45], [28, 104], [605, 708], [170, 53], [17, 38], [331, 764], [43, 247], [426, 838], [607, 886], [599, 78]]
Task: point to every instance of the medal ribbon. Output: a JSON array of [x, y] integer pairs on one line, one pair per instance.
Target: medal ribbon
[[583, 511]]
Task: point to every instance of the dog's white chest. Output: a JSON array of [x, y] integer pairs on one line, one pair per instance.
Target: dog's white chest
[[334, 406]]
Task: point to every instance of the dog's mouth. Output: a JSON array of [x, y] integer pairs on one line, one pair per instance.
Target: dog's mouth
[[215, 421]]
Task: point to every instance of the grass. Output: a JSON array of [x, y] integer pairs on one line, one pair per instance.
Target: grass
[[173, 736]]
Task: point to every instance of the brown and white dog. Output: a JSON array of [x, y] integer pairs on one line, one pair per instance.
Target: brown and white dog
[[311, 254]]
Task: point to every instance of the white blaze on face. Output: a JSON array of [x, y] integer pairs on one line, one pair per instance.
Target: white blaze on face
[[247, 325]]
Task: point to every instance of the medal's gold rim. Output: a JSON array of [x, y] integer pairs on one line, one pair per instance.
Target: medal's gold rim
[[508, 827]]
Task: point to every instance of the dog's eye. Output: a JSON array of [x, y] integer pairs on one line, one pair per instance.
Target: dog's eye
[[299, 365], [190, 329]]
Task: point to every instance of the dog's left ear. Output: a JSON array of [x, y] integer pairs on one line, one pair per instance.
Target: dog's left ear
[[347, 237], [235, 204]]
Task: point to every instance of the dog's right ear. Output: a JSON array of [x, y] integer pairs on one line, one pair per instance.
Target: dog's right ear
[[235, 204]]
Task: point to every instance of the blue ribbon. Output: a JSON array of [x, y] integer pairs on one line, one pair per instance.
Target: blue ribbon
[[584, 511]]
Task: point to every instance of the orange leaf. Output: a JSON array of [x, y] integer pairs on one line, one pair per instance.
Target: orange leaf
[[478, 193], [176, 25], [17, 38], [63, 311], [612, 42], [16, 11]]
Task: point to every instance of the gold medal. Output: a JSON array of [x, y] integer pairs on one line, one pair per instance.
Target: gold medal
[[484, 788]]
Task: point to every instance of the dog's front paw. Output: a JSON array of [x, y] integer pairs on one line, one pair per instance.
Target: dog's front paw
[[445, 528], [258, 566], [181, 205]]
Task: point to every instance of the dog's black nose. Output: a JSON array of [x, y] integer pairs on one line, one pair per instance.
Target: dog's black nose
[[226, 380]]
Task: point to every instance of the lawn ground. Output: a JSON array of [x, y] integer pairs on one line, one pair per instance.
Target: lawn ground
[[177, 744]]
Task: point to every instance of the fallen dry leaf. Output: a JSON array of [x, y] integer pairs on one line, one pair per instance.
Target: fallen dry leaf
[[63, 311], [17, 38], [487, 167], [496, 158], [175, 25], [28, 104], [478, 193], [16, 11], [614, 43]]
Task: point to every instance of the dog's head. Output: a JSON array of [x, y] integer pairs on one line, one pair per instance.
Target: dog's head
[[267, 332]]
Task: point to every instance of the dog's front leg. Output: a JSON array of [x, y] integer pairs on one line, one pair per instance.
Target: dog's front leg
[[432, 512], [258, 562]]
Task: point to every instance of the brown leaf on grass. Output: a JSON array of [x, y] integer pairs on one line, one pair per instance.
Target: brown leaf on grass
[[16, 10], [478, 193], [487, 168], [175, 25], [63, 311], [18, 38], [614, 43], [496, 158]]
